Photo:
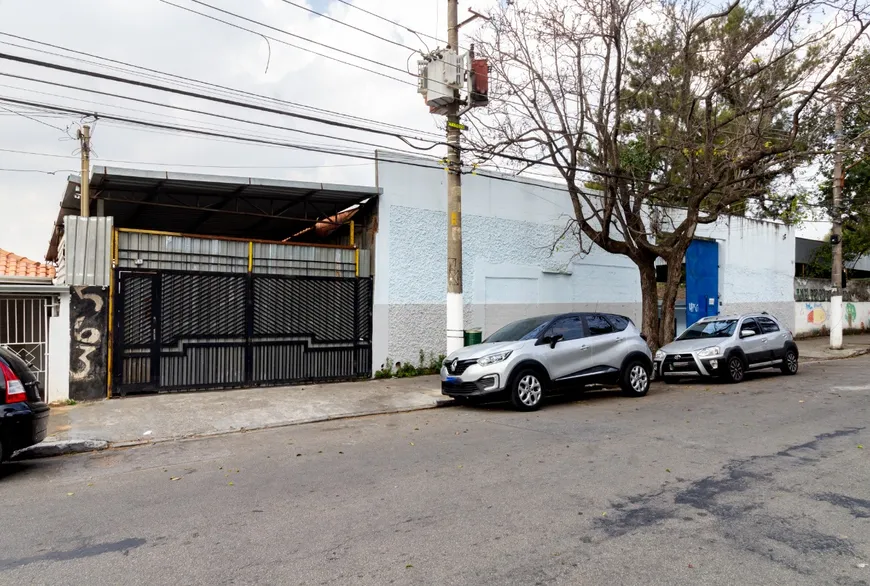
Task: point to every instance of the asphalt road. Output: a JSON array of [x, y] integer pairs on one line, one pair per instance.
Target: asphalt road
[[761, 483]]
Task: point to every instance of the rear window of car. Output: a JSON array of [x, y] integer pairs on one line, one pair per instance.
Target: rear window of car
[[598, 325], [768, 326], [619, 322]]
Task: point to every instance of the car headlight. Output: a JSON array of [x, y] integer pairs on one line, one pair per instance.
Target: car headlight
[[660, 355], [709, 352], [494, 358]]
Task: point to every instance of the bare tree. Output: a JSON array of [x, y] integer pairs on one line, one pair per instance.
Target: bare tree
[[659, 116]]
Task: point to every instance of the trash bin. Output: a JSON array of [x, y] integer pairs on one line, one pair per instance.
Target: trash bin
[[473, 337]]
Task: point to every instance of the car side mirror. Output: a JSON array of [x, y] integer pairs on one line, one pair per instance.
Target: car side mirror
[[746, 333], [553, 340]]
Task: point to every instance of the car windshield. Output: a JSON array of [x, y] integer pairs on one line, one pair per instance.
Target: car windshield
[[723, 328], [525, 329]]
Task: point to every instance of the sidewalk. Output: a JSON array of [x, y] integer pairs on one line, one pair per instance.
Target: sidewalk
[[155, 418], [819, 348]]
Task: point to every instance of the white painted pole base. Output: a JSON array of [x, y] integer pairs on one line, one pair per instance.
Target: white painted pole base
[[455, 323], [837, 322]]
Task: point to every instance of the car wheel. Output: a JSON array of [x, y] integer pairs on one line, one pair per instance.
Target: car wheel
[[790, 363], [527, 390], [635, 379], [735, 370]]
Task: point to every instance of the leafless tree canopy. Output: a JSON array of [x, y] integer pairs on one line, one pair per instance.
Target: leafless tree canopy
[[674, 112]]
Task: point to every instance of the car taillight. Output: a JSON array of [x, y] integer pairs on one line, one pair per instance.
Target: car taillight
[[15, 392]]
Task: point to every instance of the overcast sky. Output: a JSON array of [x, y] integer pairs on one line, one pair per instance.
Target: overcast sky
[[152, 34], [155, 35]]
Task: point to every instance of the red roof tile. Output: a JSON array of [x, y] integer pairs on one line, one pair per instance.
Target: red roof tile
[[12, 265]]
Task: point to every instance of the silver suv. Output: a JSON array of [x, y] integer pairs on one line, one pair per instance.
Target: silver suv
[[531, 357], [727, 347]]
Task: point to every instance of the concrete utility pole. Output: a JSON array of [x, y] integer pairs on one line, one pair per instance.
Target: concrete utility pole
[[85, 139], [837, 235], [455, 305]]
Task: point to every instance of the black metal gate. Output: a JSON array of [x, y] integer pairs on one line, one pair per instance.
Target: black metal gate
[[189, 331]]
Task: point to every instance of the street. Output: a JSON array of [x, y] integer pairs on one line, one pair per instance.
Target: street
[[697, 483]]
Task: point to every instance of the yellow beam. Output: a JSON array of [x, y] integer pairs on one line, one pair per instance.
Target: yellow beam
[[250, 257], [111, 338]]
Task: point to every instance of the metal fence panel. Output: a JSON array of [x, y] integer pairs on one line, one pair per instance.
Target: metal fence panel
[[311, 261], [86, 252], [142, 251]]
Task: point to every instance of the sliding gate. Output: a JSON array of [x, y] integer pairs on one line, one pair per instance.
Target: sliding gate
[[179, 330]]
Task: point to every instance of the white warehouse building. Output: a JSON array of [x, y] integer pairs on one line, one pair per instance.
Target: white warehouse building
[[510, 269]]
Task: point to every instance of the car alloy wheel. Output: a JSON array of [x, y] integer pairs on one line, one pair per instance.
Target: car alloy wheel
[[735, 369], [790, 363], [639, 379], [529, 390]]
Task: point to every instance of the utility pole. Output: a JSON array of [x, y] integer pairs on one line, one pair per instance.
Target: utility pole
[[455, 305], [85, 139], [837, 235]]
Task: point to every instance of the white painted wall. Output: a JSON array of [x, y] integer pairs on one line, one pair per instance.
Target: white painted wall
[[509, 270], [57, 388]]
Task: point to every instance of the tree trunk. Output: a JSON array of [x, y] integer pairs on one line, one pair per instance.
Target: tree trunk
[[650, 302], [667, 326]]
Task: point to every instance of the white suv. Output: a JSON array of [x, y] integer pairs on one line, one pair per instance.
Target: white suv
[[531, 357], [727, 347]]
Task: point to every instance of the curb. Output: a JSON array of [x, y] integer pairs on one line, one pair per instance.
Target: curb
[[60, 448], [69, 447]]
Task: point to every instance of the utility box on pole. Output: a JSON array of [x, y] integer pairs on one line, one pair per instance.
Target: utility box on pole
[[439, 78]]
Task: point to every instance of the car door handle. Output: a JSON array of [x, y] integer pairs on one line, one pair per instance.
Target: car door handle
[[764, 341], [584, 347]]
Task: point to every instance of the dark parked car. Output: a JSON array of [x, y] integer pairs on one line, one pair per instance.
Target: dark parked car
[[23, 413]]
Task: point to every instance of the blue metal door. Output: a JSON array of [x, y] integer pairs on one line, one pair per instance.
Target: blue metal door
[[702, 280]]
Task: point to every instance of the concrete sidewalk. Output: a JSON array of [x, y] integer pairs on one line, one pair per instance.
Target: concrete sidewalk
[[812, 349], [155, 418]]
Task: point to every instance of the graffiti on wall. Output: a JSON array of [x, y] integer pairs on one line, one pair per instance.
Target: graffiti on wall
[[88, 336], [814, 317]]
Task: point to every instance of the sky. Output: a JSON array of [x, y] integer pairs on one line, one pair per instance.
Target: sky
[[154, 34]]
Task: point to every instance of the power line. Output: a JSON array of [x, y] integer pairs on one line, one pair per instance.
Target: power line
[[189, 165], [182, 78], [306, 39], [174, 107], [356, 28], [37, 120], [220, 100], [6, 170], [393, 22], [253, 140]]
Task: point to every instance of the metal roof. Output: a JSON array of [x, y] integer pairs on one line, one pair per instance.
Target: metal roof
[[218, 205]]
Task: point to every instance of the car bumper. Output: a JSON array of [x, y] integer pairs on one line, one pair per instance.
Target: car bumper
[[691, 366], [22, 426], [474, 382]]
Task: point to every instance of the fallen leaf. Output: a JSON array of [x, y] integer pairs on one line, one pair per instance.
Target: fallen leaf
[[341, 452], [416, 429], [801, 401], [147, 432], [604, 514], [860, 447], [297, 455], [691, 566], [70, 493], [90, 483], [667, 469], [460, 465], [174, 478], [231, 483], [412, 443], [407, 566]]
